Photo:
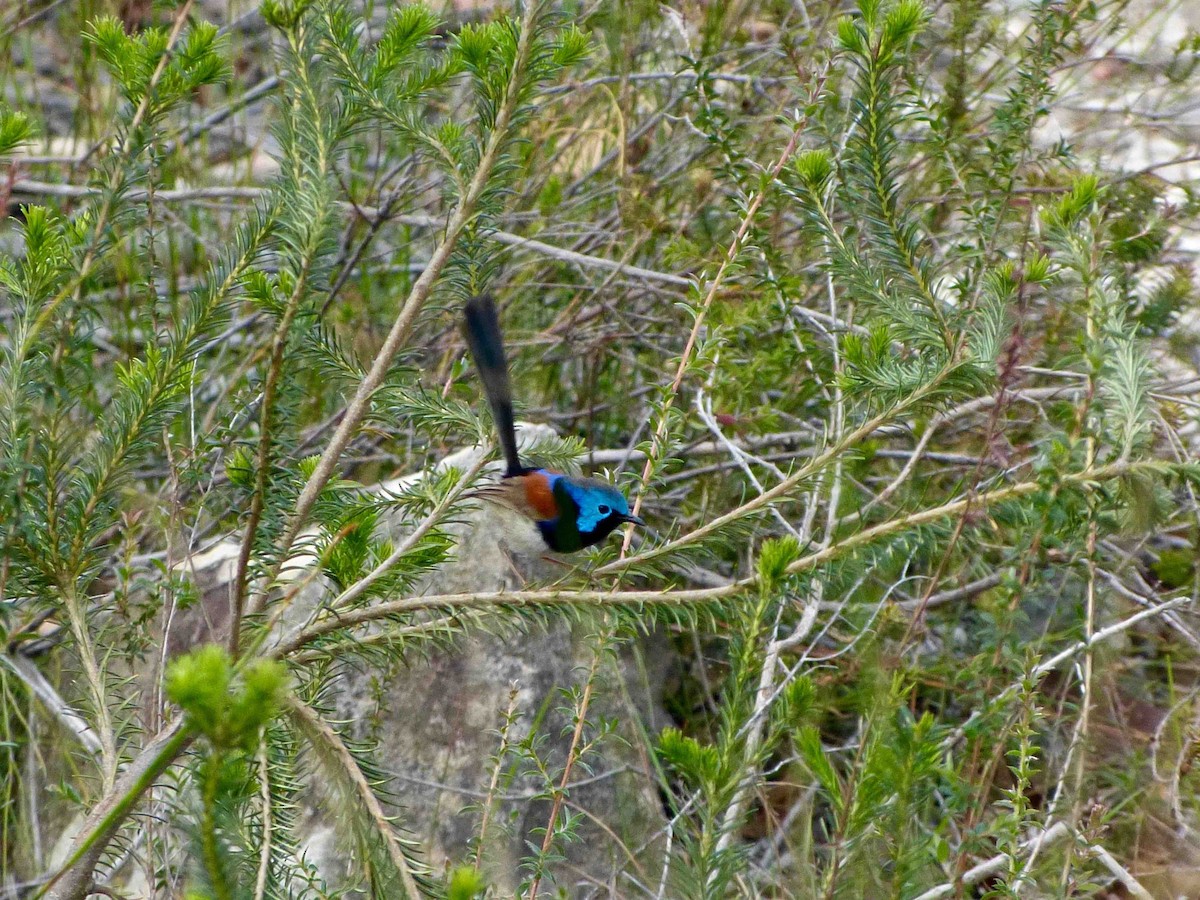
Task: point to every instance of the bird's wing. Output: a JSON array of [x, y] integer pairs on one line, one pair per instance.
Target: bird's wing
[[482, 328], [511, 494]]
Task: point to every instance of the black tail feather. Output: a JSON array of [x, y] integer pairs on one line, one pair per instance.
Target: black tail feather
[[482, 328]]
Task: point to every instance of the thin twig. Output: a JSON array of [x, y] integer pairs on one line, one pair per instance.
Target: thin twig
[[560, 793], [489, 799], [996, 864], [661, 429], [484, 600], [74, 877], [422, 289], [318, 732], [74, 721], [258, 500], [374, 215], [268, 823]]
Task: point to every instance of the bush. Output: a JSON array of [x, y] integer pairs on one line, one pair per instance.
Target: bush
[[894, 333]]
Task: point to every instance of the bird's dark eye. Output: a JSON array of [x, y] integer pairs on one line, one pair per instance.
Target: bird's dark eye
[[604, 510]]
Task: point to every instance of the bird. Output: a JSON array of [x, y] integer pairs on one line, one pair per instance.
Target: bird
[[571, 512]]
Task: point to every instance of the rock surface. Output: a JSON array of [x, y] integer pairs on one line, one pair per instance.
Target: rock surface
[[435, 721]]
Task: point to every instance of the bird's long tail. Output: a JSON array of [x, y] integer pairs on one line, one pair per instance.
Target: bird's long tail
[[482, 327]]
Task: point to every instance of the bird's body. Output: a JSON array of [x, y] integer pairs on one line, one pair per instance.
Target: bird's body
[[570, 512]]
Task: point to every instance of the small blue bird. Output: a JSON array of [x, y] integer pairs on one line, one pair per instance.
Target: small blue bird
[[570, 512]]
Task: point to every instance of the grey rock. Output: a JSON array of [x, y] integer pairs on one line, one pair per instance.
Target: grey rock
[[435, 721]]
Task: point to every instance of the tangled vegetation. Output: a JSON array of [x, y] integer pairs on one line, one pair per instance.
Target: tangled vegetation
[[864, 307]]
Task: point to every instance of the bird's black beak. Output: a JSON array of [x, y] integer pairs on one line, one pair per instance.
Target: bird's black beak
[[634, 520]]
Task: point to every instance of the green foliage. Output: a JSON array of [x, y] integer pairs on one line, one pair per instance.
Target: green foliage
[[229, 713], [141, 63], [905, 390], [701, 765], [15, 129], [774, 557], [465, 884]]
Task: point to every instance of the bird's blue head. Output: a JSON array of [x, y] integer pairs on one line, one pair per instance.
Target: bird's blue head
[[589, 510], [596, 502]]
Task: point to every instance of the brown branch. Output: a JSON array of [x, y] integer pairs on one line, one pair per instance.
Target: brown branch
[[73, 880], [263, 461], [572, 757], [422, 289], [569, 597], [327, 741]]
